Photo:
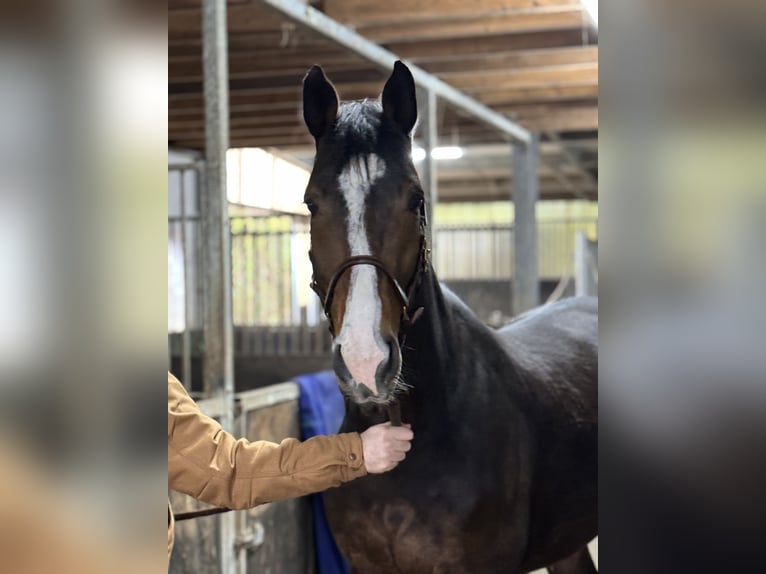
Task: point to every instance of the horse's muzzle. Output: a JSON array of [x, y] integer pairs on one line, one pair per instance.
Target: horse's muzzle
[[378, 387]]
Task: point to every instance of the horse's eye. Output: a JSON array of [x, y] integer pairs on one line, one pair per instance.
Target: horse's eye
[[312, 207], [416, 202]]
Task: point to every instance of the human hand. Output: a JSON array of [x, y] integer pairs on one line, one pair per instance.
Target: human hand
[[385, 446]]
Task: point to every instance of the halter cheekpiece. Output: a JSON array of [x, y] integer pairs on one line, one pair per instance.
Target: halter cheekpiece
[[408, 316]]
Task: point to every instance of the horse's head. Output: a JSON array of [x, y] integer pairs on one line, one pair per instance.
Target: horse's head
[[367, 226]]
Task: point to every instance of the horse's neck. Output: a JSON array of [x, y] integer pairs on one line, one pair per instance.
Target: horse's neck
[[434, 334], [438, 353], [435, 356], [424, 352]]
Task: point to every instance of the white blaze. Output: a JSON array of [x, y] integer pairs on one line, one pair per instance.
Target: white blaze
[[361, 345]]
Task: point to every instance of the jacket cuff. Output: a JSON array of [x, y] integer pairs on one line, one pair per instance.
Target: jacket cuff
[[354, 456]]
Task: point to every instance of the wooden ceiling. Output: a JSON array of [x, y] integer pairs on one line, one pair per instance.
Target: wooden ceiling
[[535, 61]]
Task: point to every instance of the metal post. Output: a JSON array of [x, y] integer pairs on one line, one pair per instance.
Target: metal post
[[186, 375], [218, 358], [526, 290], [585, 266], [218, 368], [428, 170]]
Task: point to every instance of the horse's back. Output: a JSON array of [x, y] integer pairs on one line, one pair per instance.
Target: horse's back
[[577, 316]]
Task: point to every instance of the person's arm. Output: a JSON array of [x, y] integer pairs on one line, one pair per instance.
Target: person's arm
[[206, 462]]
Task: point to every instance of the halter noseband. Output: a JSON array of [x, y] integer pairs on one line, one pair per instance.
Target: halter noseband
[[403, 296]]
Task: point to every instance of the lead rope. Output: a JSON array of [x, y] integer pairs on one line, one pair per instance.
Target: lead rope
[[395, 414], [199, 513], [395, 409]]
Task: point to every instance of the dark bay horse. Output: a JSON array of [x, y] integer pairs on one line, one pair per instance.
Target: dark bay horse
[[502, 476]]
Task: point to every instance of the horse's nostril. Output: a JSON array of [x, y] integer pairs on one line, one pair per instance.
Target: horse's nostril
[[389, 367]]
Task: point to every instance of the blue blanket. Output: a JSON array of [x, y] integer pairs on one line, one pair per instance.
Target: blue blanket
[[321, 412]]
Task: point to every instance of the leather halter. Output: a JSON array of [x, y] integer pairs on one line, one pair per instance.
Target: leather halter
[[408, 317]]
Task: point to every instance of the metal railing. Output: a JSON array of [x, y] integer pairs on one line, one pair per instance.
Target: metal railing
[[486, 251], [271, 272]]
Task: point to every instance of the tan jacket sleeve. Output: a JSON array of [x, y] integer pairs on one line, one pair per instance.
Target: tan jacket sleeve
[[206, 462]]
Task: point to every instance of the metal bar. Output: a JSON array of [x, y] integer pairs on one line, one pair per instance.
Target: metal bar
[[526, 291], [428, 167], [218, 369], [218, 366], [183, 166], [314, 19], [585, 280], [281, 283], [174, 219], [252, 278], [199, 259], [186, 373]]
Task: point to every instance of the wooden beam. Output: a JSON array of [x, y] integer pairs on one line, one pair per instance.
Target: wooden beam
[[473, 152], [259, 63], [497, 24], [248, 120], [415, 50], [255, 100], [242, 18], [570, 119], [418, 50], [360, 12], [477, 82], [247, 66], [189, 106], [522, 59], [187, 43], [184, 4], [190, 111], [575, 116], [250, 139], [496, 99], [278, 123], [193, 101], [287, 87]]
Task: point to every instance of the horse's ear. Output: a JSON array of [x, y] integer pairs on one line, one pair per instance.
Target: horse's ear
[[399, 102], [320, 102]]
